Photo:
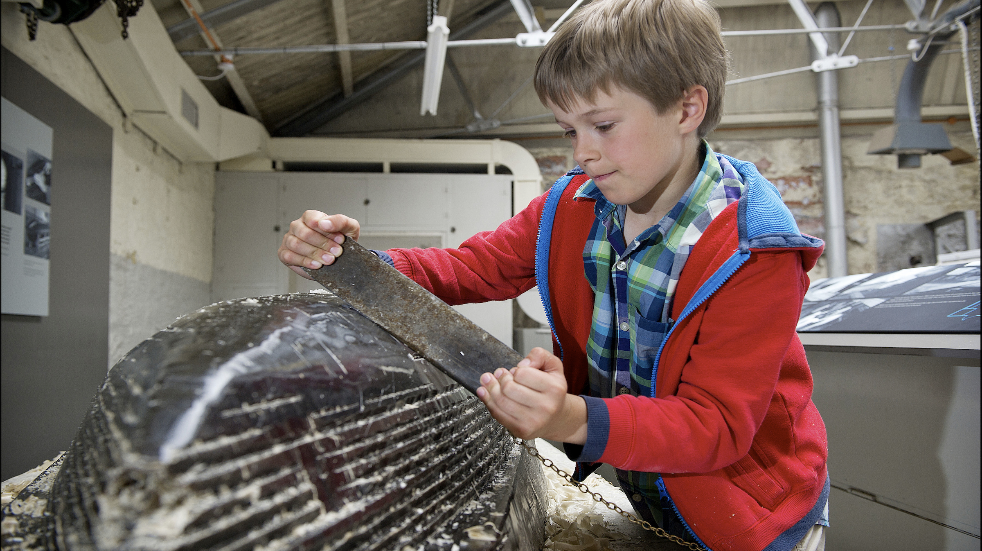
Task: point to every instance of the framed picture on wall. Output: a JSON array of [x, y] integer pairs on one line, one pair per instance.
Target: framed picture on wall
[[26, 212]]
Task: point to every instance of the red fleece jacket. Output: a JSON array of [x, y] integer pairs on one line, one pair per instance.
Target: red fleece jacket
[[733, 430]]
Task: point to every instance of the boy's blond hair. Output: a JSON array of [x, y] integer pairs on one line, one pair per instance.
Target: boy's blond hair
[[657, 49]]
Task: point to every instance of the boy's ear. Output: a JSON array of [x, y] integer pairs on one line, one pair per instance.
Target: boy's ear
[[694, 104]]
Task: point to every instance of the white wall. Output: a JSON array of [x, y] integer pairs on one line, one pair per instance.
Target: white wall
[[162, 216], [254, 211]]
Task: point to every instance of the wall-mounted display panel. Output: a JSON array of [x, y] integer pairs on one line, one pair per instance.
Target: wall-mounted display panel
[[26, 212]]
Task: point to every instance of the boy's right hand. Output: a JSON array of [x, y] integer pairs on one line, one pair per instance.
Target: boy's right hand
[[315, 239]]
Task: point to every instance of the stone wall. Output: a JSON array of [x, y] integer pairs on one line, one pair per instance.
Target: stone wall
[[878, 195]]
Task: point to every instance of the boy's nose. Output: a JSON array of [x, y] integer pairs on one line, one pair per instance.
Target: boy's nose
[[585, 151]]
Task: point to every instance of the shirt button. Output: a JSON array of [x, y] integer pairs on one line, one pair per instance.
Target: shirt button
[[624, 390], [636, 497], [621, 265], [625, 326]]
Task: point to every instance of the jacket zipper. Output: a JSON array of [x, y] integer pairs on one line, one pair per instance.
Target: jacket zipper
[[707, 290], [664, 491], [542, 250]]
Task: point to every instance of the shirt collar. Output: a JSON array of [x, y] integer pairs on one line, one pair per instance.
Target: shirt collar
[[711, 171]]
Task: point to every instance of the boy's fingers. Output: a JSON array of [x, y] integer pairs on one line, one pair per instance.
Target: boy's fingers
[[297, 262], [520, 396], [490, 393], [305, 246], [544, 360], [339, 225], [294, 252], [541, 371], [499, 400], [531, 379], [315, 239], [311, 235]]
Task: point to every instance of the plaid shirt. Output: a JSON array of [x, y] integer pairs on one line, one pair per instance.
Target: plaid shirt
[[634, 282], [633, 286]]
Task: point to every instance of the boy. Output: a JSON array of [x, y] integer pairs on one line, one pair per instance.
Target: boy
[[677, 360]]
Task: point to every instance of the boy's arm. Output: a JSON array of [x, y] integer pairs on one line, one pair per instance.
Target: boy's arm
[[492, 265], [727, 382]]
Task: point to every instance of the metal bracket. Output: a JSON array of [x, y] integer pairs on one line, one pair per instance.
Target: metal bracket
[[533, 40], [833, 62]]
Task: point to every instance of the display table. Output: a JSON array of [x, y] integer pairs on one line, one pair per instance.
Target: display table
[[895, 359]]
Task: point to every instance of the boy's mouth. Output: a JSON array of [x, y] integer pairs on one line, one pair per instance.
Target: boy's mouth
[[601, 177]]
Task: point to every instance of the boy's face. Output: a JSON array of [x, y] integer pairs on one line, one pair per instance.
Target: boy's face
[[632, 152]]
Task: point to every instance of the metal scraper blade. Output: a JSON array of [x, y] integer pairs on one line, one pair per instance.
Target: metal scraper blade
[[426, 324]]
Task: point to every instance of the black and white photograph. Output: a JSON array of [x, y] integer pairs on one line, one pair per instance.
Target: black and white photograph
[[962, 279], [12, 181], [896, 283], [37, 232], [818, 316], [38, 178], [827, 288], [905, 301]]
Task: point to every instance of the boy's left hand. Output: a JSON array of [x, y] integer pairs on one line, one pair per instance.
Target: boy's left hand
[[530, 400]]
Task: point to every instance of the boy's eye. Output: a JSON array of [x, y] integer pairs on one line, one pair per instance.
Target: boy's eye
[[605, 127], [569, 133]]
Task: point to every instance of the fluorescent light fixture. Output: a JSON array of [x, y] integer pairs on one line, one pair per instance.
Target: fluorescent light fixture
[[437, 35]]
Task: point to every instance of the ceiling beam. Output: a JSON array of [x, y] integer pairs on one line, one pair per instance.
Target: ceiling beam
[[459, 80], [193, 7], [239, 87], [344, 57], [325, 110], [217, 16]]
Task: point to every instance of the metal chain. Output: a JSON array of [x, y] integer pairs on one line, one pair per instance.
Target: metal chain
[[549, 464], [32, 21], [432, 9], [126, 9]]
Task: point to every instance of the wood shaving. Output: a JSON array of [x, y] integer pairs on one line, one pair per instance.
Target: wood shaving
[[575, 522]]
